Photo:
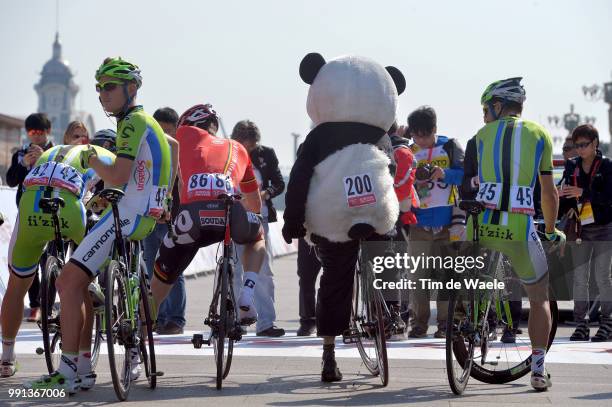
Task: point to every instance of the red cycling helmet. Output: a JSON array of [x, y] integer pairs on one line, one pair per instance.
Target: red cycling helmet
[[197, 115]]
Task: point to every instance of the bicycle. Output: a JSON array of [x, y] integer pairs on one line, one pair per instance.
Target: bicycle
[[474, 320], [222, 316], [369, 314], [127, 307], [49, 322]]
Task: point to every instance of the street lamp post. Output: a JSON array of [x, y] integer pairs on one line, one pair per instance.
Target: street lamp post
[[569, 121], [597, 92], [296, 137]]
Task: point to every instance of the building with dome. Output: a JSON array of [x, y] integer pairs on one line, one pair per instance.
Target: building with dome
[[57, 94]]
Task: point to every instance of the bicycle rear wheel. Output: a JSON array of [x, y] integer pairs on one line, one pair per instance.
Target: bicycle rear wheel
[[147, 345], [459, 341], [222, 345], [97, 339], [50, 314], [118, 329]]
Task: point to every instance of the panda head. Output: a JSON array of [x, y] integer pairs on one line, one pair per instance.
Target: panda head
[[351, 89]]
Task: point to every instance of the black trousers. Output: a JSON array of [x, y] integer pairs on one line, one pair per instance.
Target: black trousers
[[336, 286], [308, 267]]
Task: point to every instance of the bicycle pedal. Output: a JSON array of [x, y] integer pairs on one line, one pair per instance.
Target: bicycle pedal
[[350, 336], [197, 340], [158, 374]]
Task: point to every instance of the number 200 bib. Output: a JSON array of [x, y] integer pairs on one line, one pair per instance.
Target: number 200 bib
[[358, 190]]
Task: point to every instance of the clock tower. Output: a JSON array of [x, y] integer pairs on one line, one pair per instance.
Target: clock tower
[[56, 92]]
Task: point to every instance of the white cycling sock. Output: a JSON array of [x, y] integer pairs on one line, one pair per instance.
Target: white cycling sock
[[8, 349], [68, 365], [248, 289], [84, 362], [537, 360]]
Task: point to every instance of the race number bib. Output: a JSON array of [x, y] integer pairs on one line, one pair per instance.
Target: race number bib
[[209, 186], [57, 175], [358, 190], [521, 200], [489, 193], [156, 201]]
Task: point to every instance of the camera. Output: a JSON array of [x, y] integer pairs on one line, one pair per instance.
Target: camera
[[424, 172]]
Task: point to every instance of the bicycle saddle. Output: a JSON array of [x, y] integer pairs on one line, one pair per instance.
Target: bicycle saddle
[[51, 205], [112, 195], [472, 207]]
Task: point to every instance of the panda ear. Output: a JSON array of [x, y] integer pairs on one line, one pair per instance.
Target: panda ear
[[310, 67], [398, 78]]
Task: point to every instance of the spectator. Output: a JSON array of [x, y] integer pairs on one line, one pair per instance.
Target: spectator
[[171, 312], [587, 190], [439, 173], [38, 128], [76, 133], [398, 301], [271, 184], [569, 150]]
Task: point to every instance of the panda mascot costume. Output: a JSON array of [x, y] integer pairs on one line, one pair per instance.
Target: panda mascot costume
[[341, 186]]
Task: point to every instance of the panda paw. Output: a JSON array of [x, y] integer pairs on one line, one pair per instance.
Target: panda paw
[[293, 232]]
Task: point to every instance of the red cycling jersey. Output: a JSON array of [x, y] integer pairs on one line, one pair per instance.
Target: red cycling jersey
[[203, 156]]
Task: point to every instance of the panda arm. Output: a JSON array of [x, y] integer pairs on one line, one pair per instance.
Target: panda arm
[[299, 183]]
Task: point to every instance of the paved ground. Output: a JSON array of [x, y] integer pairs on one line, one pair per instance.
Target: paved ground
[[285, 371]]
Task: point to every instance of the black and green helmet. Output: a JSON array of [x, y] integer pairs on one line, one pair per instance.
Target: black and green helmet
[[120, 69]]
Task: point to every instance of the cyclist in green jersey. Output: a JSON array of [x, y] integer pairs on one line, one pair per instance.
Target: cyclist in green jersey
[[511, 153], [56, 173], [142, 170]]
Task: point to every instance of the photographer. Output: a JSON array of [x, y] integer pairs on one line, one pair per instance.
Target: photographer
[[38, 128], [439, 173], [587, 191]]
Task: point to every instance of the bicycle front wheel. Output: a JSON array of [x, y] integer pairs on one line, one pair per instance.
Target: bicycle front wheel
[[118, 329], [50, 318]]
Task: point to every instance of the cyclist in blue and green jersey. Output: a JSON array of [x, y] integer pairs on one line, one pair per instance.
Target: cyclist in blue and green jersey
[[56, 173], [142, 169], [512, 153]]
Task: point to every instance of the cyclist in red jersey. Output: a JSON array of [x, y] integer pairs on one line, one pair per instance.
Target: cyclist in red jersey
[[210, 166]]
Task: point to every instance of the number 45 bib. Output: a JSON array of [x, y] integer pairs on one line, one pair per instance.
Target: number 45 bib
[[358, 190], [520, 197]]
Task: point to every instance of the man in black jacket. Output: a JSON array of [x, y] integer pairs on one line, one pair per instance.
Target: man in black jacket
[[271, 184], [38, 128]]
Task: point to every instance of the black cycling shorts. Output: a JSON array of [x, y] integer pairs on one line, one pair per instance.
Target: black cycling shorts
[[201, 224]]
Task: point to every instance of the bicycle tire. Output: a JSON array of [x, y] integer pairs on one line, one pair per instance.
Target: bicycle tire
[[522, 368], [455, 344], [148, 355], [51, 333], [357, 316], [380, 340], [97, 340], [114, 318], [220, 336], [231, 307]]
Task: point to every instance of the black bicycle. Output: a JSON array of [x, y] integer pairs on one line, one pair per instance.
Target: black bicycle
[[222, 314], [476, 317], [57, 252], [127, 310], [369, 317]]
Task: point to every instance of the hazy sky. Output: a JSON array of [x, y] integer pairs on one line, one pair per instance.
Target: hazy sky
[[243, 56]]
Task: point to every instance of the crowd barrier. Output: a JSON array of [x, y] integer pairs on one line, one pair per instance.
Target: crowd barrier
[[204, 260]]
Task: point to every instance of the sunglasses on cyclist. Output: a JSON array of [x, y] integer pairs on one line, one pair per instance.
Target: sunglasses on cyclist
[[107, 86], [582, 145]]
